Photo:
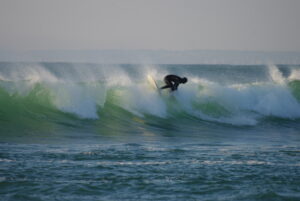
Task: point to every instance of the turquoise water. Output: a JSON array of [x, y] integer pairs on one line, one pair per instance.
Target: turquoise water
[[96, 132]]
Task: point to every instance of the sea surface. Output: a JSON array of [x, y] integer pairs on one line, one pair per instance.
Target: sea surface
[[79, 131]]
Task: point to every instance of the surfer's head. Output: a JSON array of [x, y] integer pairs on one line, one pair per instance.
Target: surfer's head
[[184, 80]]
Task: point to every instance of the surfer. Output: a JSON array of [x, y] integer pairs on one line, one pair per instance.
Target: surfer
[[172, 81]]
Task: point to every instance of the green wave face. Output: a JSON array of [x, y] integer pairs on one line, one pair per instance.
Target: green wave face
[[295, 88], [32, 113]]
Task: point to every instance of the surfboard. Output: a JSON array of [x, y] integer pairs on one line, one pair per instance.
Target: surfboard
[[153, 83]]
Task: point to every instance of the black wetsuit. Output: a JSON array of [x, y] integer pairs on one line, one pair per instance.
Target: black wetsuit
[[172, 81]]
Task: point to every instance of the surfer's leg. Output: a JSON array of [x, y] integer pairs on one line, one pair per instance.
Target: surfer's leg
[[168, 84]]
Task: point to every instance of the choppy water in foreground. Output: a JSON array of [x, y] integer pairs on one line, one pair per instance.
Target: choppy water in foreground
[[94, 132]]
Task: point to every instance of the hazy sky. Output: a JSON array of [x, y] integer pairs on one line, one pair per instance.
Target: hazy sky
[[269, 25]]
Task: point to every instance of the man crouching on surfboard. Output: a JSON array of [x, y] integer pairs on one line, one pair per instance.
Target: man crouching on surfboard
[[172, 81]]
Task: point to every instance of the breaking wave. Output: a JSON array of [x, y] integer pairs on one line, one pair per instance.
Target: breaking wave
[[32, 95]]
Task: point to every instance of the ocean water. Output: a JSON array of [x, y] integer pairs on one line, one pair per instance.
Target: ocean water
[[71, 131]]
